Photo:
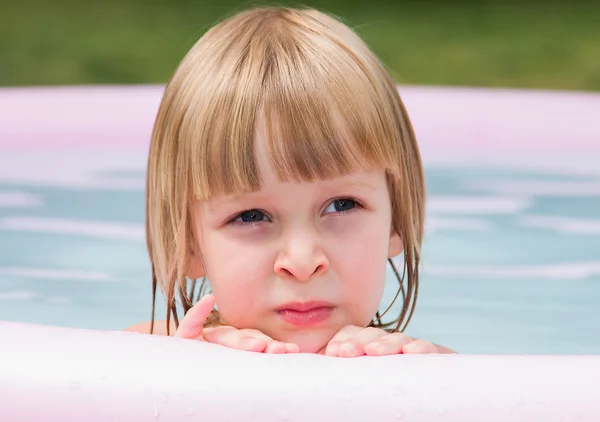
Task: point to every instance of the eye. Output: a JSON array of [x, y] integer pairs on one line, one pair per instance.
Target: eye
[[341, 205], [250, 216]]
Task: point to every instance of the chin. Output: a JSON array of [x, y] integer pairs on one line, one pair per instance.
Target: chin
[[309, 341]]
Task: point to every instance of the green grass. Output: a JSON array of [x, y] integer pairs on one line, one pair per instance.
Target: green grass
[[494, 44]]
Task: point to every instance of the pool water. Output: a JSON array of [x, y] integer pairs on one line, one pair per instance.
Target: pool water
[[511, 260]]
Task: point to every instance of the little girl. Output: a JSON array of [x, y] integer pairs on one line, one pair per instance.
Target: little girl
[[284, 171]]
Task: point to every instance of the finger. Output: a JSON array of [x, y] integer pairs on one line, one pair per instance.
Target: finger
[[340, 337], [237, 339], [419, 347], [354, 345], [390, 344], [346, 333], [275, 347], [292, 348], [192, 325]]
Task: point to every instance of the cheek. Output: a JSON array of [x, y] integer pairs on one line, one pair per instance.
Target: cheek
[[238, 276], [362, 266]]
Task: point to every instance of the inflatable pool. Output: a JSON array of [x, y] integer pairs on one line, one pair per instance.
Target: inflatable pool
[[73, 271], [73, 375]]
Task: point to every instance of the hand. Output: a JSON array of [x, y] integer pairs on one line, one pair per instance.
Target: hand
[[192, 327], [353, 341]]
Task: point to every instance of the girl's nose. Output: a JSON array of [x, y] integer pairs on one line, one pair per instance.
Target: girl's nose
[[301, 258]]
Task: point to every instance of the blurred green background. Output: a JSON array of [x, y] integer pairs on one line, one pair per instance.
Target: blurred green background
[[548, 45]]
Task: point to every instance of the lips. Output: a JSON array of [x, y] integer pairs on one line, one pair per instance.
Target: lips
[[305, 314]]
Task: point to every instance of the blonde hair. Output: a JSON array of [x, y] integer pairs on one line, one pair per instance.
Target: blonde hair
[[327, 105]]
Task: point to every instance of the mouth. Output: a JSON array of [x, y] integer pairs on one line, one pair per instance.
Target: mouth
[[305, 314]]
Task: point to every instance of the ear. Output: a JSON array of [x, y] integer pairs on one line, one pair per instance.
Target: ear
[[395, 248]]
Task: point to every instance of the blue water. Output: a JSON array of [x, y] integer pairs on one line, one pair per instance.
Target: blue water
[[511, 258]]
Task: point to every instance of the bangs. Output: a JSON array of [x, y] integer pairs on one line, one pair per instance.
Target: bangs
[[310, 102]]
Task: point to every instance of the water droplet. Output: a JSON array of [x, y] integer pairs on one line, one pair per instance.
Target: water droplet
[[417, 407], [101, 398], [190, 411], [520, 401], [398, 415], [457, 409], [283, 416], [74, 385], [442, 411], [156, 411], [541, 401], [164, 398], [252, 415]]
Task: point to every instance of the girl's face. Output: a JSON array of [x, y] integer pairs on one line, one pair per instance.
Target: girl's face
[[297, 261]]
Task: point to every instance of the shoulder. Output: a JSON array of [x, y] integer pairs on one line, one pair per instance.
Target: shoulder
[[160, 328]]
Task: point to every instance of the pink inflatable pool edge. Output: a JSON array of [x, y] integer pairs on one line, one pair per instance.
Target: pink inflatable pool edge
[[466, 121], [64, 374], [50, 373]]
